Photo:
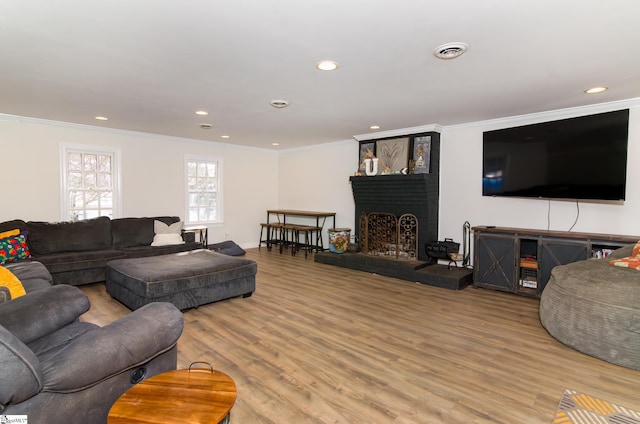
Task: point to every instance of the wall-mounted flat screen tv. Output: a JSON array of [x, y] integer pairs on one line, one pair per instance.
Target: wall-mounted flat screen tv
[[576, 158]]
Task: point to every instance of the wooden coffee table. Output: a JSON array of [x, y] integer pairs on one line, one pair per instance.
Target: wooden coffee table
[[189, 396]]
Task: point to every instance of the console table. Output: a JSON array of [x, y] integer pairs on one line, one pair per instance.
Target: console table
[[520, 260], [320, 218]]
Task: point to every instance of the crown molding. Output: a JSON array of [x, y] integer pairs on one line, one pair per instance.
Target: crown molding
[[551, 115], [399, 132]]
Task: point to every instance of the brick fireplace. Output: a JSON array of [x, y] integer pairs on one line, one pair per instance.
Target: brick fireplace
[[398, 195], [404, 208]]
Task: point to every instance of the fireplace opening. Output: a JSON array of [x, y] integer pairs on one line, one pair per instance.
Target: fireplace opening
[[388, 235]]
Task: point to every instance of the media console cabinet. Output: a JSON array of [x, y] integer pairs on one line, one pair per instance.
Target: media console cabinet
[[520, 261]]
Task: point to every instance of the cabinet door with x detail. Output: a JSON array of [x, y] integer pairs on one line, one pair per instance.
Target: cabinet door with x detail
[[494, 262], [554, 252]]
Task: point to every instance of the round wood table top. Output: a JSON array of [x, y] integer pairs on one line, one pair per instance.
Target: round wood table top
[[188, 396]]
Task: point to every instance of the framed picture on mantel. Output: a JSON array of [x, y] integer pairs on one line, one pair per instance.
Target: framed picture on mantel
[[421, 154], [393, 153]]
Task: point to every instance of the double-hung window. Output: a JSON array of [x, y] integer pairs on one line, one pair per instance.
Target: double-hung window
[[89, 182], [204, 190]]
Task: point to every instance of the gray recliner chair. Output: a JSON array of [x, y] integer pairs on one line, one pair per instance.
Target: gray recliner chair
[[55, 368]]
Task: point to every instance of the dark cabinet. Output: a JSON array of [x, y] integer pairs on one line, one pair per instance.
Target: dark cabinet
[[559, 251], [520, 260], [494, 259]]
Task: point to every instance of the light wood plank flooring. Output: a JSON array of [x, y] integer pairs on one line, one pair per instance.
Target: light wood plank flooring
[[322, 344]]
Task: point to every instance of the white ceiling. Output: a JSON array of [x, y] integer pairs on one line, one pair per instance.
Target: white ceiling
[[149, 64]]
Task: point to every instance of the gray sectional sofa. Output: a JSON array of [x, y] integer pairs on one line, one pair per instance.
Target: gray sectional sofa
[[77, 252], [58, 369]]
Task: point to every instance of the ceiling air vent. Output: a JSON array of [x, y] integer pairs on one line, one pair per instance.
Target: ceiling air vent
[[206, 126], [450, 50], [279, 103]]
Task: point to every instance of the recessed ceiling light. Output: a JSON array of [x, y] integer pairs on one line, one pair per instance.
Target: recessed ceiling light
[[202, 112], [275, 144], [327, 65], [279, 104], [374, 127], [225, 136], [102, 118], [450, 50], [206, 126], [595, 90]]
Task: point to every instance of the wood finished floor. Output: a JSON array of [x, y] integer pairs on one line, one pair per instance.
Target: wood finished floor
[[322, 344]]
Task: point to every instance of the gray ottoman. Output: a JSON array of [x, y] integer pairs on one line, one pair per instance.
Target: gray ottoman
[[187, 279], [594, 308]]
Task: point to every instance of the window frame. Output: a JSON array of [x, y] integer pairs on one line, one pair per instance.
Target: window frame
[[219, 191], [65, 149]]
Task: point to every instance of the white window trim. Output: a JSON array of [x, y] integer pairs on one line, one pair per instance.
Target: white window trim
[[220, 194], [117, 188]]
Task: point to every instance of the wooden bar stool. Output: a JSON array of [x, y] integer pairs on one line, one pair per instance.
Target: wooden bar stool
[[307, 231], [288, 235], [272, 234], [265, 226]]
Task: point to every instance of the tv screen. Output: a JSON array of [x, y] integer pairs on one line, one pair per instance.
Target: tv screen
[[576, 158]]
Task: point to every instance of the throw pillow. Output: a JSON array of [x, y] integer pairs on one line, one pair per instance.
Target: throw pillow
[[632, 262], [10, 233], [167, 234], [166, 239], [14, 248], [636, 250], [9, 281]]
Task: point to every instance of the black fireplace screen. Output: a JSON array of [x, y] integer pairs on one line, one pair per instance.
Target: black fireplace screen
[[384, 234]]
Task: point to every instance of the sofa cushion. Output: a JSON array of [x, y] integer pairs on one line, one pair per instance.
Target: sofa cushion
[[10, 285], [57, 340], [32, 274], [13, 249], [132, 232], [18, 365], [71, 236], [131, 341], [145, 251], [12, 225], [43, 312], [74, 261]]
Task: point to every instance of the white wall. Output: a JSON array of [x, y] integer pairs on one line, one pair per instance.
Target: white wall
[[152, 174], [461, 185], [316, 178]]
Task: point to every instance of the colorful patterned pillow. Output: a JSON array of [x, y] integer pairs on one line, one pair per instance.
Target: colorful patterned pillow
[[10, 283], [636, 249], [632, 262], [14, 248]]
